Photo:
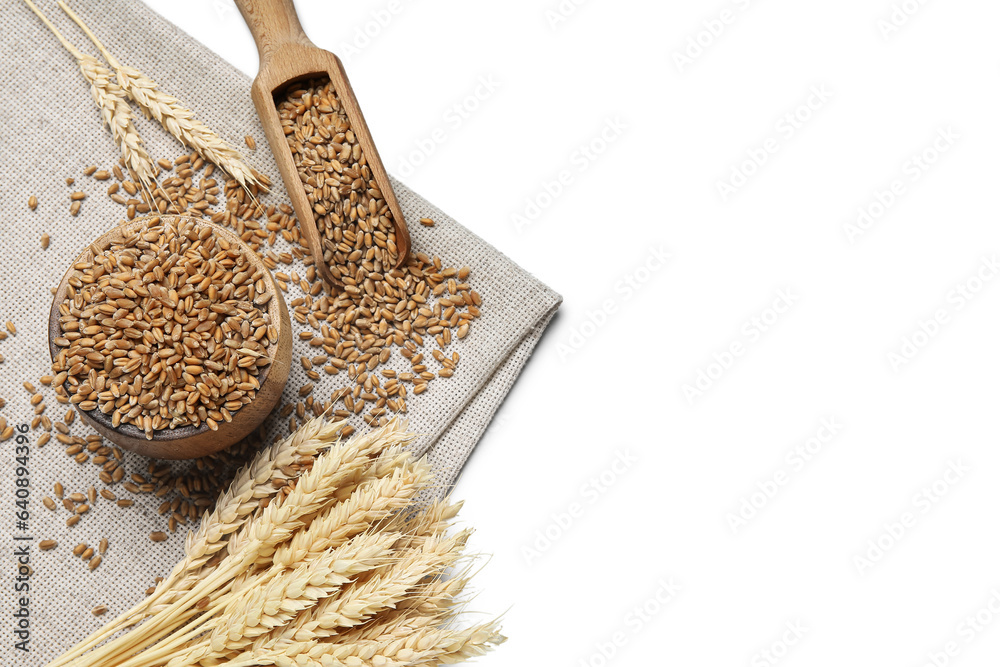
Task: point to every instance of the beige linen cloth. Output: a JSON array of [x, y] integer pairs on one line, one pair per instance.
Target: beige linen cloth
[[50, 130]]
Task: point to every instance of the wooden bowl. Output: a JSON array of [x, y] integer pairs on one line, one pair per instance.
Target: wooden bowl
[[189, 442]]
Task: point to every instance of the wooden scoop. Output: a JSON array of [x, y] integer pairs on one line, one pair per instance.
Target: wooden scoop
[[287, 57]]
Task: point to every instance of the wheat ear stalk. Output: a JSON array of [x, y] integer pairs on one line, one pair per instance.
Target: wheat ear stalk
[[172, 115], [421, 538], [258, 609], [418, 646], [362, 600], [395, 478], [344, 567], [392, 490], [251, 485], [274, 525], [404, 477], [370, 503], [232, 509], [115, 111]]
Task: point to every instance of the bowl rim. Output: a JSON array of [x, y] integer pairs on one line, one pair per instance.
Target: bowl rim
[[128, 430]]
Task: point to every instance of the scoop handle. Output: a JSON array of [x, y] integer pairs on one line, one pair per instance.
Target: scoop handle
[[273, 24]]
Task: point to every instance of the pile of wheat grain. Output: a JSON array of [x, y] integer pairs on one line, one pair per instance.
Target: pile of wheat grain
[[165, 328], [355, 330], [345, 568], [351, 213], [380, 306]]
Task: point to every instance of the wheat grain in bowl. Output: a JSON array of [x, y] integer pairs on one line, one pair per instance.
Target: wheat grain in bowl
[[168, 325]]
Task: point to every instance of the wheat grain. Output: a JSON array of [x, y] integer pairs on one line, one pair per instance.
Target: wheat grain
[[162, 265], [380, 307]]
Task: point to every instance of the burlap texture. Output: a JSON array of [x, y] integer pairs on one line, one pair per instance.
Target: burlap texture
[[50, 130]]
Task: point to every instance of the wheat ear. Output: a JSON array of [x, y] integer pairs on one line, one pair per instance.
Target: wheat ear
[[421, 646], [405, 477], [356, 513], [390, 602], [387, 586], [172, 115], [260, 608], [421, 534], [380, 590], [274, 525], [437, 604], [398, 477], [370, 503], [115, 111], [232, 509], [342, 568], [252, 484]]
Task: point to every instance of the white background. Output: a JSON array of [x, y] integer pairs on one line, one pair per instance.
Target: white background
[[816, 551]]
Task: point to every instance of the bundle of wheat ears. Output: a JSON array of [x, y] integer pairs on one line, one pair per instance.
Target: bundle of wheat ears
[[111, 92], [337, 566]]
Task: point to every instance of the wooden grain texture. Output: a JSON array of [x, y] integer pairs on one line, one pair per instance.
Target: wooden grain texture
[[287, 57], [189, 442]]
